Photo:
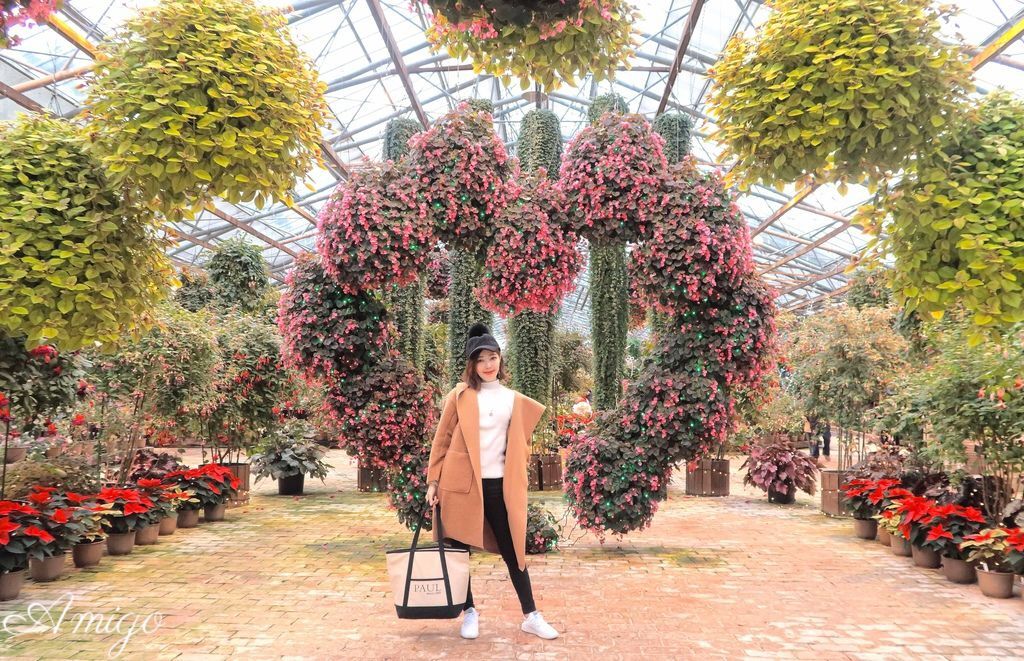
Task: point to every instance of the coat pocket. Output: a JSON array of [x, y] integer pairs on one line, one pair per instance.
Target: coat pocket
[[456, 472]]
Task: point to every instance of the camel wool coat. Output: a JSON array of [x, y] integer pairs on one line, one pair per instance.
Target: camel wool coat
[[455, 465]]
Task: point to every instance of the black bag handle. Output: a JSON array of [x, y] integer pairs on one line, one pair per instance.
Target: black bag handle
[[412, 555]]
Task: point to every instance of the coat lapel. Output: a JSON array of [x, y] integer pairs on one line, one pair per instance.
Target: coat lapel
[[469, 423]]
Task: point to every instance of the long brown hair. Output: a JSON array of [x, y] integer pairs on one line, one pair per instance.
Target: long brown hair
[[471, 378]]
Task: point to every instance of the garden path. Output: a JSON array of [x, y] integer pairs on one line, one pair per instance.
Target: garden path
[[712, 578]]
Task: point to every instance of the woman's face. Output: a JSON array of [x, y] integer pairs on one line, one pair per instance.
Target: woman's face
[[487, 363]]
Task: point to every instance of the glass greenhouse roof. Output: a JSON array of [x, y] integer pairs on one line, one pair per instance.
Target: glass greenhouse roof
[[803, 241]]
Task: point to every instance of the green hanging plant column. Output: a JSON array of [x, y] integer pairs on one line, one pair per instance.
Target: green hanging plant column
[[239, 276], [406, 303], [533, 333], [609, 294], [609, 321], [465, 310]]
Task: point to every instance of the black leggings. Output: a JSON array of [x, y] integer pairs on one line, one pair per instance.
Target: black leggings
[[497, 518]]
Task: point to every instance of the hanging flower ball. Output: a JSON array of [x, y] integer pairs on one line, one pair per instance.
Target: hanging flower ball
[[373, 232], [532, 263], [439, 273], [384, 415], [612, 177], [699, 244], [327, 333], [463, 175]]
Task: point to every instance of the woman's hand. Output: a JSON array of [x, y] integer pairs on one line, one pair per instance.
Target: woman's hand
[[432, 494]]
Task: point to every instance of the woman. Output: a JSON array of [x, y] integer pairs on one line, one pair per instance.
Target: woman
[[477, 472]]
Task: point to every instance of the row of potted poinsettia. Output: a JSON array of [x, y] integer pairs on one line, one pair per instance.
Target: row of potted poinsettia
[[36, 533], [960, 539]]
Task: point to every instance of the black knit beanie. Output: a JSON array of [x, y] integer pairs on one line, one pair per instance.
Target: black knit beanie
[[478, 339]]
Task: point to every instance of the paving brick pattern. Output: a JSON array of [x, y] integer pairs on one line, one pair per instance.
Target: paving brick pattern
[[713, 578]]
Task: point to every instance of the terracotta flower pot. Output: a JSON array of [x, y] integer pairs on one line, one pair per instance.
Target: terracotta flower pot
[[214, 512], [147, 535], [865, 528], [958, 571], [169, 524], [10, 584], [926, 558], [291, 485], [47, 569], [995, 584], [15, 454], [120, 543], [188, 518], [884, 538], [900, 546], [88, 554], [54, 452]]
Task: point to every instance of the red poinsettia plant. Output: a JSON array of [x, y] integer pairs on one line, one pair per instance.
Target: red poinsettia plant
[[207, 485], [128, 509], [464, 176], [15, 519], [612, 175], [532, 263], [373, 231], [1015, 556], [166, 496], [865, 497], [946, 527], [50, 524], [327, 334], [699, 244]]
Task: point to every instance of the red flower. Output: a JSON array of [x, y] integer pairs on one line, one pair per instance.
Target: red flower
[[1016, 539], [6, 528], [36, 531], [61, 515], [135, 508], [938, 532], [972, 514], [76, 498], [149, 483], [8, 506], [40, 497], [78, 420]]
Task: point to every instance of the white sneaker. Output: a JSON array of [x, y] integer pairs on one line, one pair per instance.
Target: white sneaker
[[534, 623], [470, 624]]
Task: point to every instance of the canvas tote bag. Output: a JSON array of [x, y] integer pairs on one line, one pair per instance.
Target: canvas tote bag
[[429, 582]]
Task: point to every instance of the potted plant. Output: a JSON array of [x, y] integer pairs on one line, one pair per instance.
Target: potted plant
[[780, 469], [209, 486], [14, 543], [889, 520], [165, 499], [50, 532], [287, 456], [947, 528], [129, 510], [886, 511], [864, 498], [989, 552], [89, 550]]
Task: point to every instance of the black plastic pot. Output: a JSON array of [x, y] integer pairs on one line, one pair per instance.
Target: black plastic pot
[[291, 485], [780, 498]]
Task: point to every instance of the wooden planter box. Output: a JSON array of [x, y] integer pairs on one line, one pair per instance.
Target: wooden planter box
[[711, 478], [550, 472], [533, 472], [371, 479], [831, 497], [242, 472]]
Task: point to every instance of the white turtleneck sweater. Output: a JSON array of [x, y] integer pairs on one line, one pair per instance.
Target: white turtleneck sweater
[[495, 403]]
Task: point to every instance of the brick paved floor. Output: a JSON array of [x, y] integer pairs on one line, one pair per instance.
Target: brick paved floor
[[713, 578]]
